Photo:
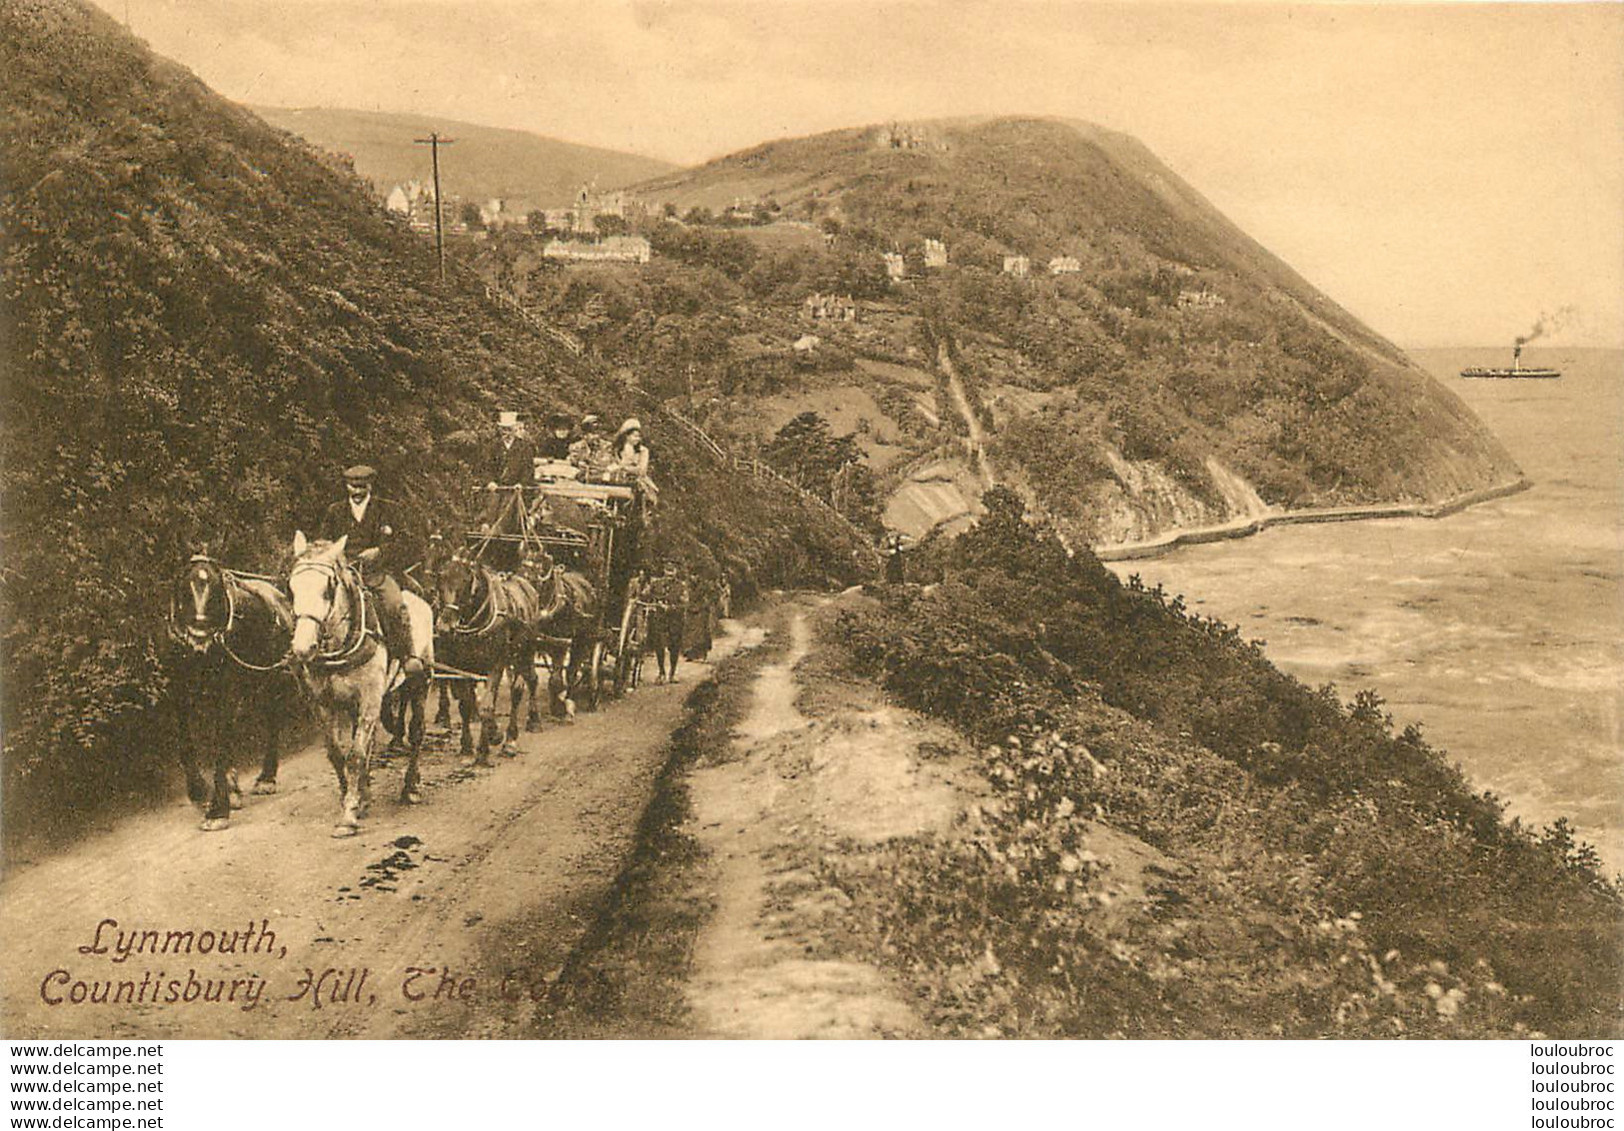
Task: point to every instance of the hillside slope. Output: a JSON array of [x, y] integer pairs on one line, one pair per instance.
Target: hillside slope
[[1171, 372], [206, 321], [525, 169]]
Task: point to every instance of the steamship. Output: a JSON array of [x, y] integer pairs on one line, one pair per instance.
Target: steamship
[[1516, 369]]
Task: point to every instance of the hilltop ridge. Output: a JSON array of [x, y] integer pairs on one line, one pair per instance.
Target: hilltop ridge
[[524, 169], [1038, 296]]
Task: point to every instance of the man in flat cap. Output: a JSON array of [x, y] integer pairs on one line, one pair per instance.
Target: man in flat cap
[[375, 535]]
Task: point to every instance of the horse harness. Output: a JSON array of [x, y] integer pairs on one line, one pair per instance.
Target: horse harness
[[230, 579]]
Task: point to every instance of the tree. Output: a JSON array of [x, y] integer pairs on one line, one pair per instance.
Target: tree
[[811, 455], [471, 217], [608, 224]]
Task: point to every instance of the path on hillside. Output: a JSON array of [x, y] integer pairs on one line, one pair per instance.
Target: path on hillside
[[978, 447], [817, 767], [494, 877]]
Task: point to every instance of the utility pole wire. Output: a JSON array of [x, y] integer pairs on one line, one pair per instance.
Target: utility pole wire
[[434, 141]]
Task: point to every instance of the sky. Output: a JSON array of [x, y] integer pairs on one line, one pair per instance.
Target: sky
[[1448, 172]]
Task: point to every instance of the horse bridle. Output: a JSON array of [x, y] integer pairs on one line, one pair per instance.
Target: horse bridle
[[359, 615], [190, 633], [462, 626], [222, 636]]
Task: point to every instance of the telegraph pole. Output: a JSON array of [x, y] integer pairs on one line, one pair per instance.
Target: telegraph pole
[[434, 141]]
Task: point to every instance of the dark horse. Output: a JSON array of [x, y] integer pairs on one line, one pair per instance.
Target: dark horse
[[485, 624], [567, 629], [234, 632], [666, 599]]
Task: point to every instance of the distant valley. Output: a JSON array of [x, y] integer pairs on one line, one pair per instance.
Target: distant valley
[[527, 170]]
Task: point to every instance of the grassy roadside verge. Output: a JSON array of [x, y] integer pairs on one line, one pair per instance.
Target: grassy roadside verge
[[1183, 841], [625, 980]]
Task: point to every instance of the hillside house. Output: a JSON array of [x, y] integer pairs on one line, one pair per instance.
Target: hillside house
[[935, 254], [1199, 300], [1018, 265], [830, 308], [896, 269], [1065, 265], [494, 213], [806, 344], [614, 249], [742, 210], [896, 136], [414, 201]]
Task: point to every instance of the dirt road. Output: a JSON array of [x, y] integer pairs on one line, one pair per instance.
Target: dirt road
[[436, 921]]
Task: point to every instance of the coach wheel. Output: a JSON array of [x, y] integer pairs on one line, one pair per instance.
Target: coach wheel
[[626, 648], [594, 676]]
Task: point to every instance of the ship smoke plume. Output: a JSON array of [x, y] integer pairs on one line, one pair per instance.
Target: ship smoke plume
[[1546, 324]]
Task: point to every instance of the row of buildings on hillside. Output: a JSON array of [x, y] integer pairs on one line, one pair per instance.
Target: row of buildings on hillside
[[414, 200], [934, 256], [830, 308], [576, 228], [609, 249], [1202, 299], [1020, 266], [903, 135]]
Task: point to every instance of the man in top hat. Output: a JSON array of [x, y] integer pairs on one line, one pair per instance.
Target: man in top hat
[[512, 461], [375, 535]]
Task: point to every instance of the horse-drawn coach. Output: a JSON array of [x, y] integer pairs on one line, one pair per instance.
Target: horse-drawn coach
[[545, 578]]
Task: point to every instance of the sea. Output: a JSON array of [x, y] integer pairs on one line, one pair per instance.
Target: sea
[[1500, 629]]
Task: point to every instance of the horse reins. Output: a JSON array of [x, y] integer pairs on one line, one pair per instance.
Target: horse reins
[[232, 580]]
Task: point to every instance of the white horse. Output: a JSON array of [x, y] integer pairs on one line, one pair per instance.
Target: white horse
[[345, 669]]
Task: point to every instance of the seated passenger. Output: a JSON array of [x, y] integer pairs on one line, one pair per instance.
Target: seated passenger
[[591, 452], [631, 453], [560, 435]]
